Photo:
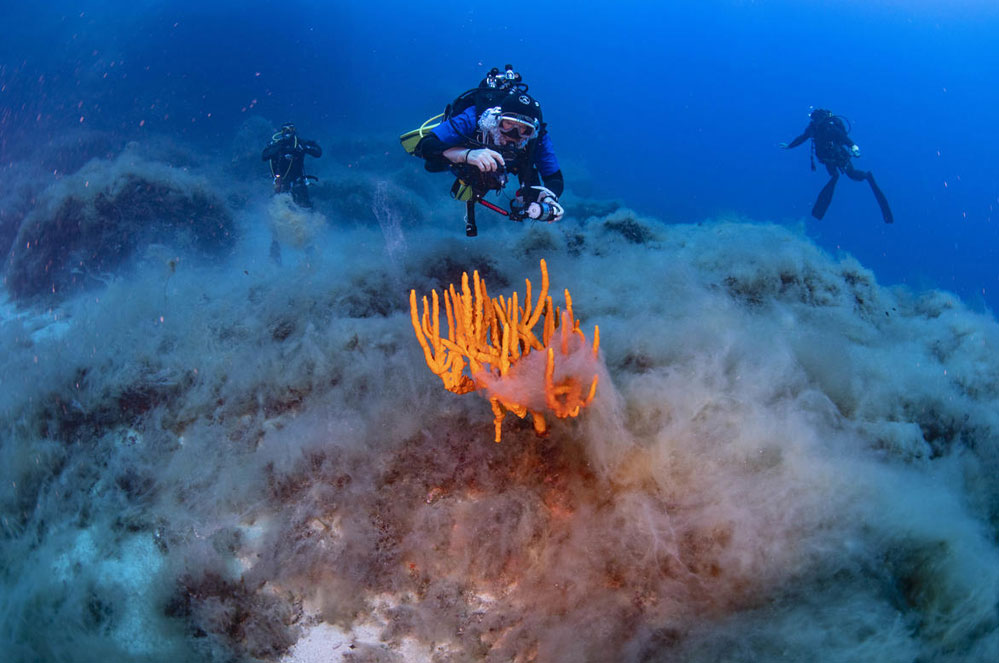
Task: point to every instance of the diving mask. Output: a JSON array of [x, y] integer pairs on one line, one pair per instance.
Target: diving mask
[[518, 127]]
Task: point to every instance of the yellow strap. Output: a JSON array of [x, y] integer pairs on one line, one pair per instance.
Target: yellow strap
[[271, 163], [424, 128], [424, 125]]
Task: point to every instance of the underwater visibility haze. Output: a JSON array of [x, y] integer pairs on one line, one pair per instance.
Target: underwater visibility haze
[[746, 434]]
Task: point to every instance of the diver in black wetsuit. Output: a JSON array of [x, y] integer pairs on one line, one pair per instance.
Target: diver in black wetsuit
[[287, 156], [833, 148]]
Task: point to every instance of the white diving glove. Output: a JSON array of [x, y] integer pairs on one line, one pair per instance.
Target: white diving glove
[[855, 151]]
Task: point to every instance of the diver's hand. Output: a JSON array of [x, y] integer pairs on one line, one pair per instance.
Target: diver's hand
[[290, 149], [545, 196], [557, 210], [782, 146], [485, 160], [855, 151]]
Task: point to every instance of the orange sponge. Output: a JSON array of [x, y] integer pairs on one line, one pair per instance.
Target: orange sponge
[[490, 346]]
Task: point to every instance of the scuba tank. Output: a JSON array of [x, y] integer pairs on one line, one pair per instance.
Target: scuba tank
[[490, 91]]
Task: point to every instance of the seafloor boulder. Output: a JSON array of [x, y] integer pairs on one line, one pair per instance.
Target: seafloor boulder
[[255, 463], [85, 226]]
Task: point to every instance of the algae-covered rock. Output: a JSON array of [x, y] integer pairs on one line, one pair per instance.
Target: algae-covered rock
[[85, 226]]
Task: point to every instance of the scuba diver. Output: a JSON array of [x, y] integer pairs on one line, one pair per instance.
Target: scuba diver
[[286, 153], [832, 146], [487, 134]]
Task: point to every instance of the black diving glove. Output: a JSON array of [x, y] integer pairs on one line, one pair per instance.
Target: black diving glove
[[290, 148]]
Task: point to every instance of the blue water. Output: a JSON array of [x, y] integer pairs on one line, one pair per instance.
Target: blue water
[[675, 110]]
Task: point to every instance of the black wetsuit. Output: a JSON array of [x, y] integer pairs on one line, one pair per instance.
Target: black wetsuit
[[830, 142], [287, 157]]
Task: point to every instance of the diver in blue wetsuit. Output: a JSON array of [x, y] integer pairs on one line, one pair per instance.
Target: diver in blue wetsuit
[[833, 147], [497, 134]]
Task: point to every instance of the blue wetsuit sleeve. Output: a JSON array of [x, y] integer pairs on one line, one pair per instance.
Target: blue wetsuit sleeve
[[544, 156], [458, 129]]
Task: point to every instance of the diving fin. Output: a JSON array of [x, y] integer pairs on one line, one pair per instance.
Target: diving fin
[[410, 139], [824, 199], [461, 191], [882, 201]]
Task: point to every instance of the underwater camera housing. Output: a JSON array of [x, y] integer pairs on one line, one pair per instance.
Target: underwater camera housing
[[471, 186], [481, 183]]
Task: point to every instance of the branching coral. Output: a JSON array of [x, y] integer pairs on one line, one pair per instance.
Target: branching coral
[[495, 340]]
